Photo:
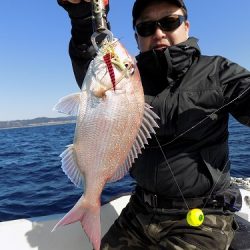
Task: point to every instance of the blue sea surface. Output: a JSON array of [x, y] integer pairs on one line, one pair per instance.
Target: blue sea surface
[[33, 184]]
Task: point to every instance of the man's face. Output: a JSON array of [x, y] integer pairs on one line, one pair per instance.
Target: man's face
[[161, 39]]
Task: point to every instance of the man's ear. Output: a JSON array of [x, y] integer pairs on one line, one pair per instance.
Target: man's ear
[[187, 26], [136, 38]]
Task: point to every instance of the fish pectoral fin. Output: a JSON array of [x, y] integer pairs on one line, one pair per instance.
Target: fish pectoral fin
[[147, 128], [70, 167], [69, 104]]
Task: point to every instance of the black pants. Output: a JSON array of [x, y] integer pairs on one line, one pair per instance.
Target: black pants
[[140, 227]]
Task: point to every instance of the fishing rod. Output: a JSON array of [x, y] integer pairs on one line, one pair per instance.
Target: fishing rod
[[100, 24]]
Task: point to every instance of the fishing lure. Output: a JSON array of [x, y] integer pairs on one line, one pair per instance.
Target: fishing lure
[[195, 217], [107, 59]]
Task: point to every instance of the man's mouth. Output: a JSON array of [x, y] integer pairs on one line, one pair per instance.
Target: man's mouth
[[160, 46]]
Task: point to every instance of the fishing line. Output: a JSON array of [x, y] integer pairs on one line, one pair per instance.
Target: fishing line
[[172, 173], [210, 194], [211, 116], [195, 217]]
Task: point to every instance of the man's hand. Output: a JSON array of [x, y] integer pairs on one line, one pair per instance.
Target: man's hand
[[78, 1], [74, 1]]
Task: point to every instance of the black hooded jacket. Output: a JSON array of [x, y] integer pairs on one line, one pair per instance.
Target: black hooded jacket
[[193, 95]]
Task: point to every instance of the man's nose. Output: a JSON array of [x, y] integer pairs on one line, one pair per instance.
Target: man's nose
[[159, 33]]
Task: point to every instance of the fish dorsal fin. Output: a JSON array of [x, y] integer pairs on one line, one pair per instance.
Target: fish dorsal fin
[[69, 166], [147, 127], [69, 104]]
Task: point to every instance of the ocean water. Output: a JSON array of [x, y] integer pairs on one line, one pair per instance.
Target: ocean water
[[33, 184]]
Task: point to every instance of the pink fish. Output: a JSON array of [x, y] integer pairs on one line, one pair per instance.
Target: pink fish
[[113, 124]]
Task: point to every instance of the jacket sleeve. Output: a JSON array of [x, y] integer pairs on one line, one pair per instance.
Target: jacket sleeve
[[81, 50], [235, 82]]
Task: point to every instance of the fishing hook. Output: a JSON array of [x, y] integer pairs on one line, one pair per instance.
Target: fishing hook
[[99, 23]]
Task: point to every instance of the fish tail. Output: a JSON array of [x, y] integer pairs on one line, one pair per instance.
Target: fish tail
[[89, 216], [92, 226]]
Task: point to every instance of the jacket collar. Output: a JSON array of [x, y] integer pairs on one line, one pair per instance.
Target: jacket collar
[[162, 68]]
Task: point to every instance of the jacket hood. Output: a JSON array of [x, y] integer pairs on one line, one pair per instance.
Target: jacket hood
[[160, 68]]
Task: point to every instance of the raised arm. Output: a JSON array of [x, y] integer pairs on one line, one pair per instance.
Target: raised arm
[[235, 81], [81, 50]]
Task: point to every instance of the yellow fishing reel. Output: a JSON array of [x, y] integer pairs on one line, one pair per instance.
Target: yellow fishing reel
[[195, 217]]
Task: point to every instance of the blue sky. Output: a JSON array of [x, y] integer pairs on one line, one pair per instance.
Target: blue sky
[[35, 69]]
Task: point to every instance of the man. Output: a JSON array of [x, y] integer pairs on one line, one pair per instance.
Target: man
[[186, 165]]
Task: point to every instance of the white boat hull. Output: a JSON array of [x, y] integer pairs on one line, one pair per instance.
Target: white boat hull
[[35, 233]]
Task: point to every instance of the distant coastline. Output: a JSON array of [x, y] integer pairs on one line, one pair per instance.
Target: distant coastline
[[40, 121]]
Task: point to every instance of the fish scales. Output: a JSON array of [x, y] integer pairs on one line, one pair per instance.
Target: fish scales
[[98, 144], [113, 124]]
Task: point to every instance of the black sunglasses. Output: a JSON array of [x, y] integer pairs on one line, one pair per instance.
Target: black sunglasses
[[167, 23]]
